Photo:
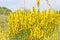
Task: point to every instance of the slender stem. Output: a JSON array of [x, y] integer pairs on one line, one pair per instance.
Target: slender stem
[[24, 4]]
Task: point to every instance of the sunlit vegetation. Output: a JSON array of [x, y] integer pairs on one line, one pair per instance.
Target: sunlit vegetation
[[30, 24], [34, 25]]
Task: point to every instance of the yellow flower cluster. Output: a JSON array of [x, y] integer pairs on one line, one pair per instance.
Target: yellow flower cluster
[[4, 35], [38, 2], [1, 34], [41, 24]]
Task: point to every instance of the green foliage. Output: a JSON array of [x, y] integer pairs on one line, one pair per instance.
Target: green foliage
[[4, 11]]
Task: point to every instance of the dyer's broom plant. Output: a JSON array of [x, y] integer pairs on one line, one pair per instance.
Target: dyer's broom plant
[[31, 25]]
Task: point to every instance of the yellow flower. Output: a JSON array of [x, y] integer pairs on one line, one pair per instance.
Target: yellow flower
[[36, 33], [40, 24], [38, 2]]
